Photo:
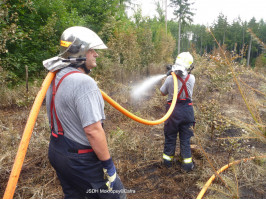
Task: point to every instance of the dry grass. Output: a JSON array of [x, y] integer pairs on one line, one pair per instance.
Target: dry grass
[[37, 178], [223, 112]]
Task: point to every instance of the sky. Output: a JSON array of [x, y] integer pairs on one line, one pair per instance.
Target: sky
[[207, 11]]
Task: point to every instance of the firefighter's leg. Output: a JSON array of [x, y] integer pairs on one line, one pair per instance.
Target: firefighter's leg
[[170, 143], [185, 134], [69, 190]]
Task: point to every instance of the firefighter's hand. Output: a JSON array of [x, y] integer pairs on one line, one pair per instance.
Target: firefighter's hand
[[109, 172], [168, 67], [168, 73]]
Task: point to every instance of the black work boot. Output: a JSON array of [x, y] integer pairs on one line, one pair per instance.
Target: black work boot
[[187, 167], [167, 163]]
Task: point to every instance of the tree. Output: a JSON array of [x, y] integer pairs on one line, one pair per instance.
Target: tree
[[95, 13], [183, 13], [38, 26], [220, 28], [144, 39], [244, 29], [31, 29], [234, 37], [160, 12], [200, 38], [249, 51], [254, 27]]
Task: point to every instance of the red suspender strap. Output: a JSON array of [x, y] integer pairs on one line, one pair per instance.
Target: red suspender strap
[[60, 81], [55, 88], [51, 110], [184, 86]]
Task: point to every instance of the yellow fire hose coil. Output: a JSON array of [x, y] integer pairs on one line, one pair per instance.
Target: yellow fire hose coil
[[208, 183]]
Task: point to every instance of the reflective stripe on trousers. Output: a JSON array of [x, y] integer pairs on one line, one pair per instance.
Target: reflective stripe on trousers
[[168, 158], [187, 160]]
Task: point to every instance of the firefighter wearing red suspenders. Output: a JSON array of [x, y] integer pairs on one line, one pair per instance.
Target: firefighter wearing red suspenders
[[182, 119], [78, 148]]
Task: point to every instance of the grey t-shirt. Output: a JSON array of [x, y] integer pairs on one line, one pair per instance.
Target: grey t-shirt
[[78, 103], [168, 87]]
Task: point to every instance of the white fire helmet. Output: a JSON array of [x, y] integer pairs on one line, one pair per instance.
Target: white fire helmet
[[183, 61], [74, 43], [77, 40]]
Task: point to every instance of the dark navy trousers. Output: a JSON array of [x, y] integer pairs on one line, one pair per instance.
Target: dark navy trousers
[[80, 175], [181, 121]]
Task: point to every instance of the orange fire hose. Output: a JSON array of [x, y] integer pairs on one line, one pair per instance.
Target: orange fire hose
[[208, 183], [24, 143]]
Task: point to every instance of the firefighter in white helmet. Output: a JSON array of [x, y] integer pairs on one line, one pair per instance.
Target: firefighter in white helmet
[[78, 148], [182, 119]]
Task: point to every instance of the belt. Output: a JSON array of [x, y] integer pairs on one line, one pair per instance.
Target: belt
[[80, 151], [179, 101]]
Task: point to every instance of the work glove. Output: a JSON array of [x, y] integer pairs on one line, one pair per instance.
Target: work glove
[[109, 172], [168, 67], [169, 72]]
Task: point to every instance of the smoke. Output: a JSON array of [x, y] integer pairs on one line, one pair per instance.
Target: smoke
[[143, 89]]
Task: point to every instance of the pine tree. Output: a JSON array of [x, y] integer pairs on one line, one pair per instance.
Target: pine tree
[[183, 13]]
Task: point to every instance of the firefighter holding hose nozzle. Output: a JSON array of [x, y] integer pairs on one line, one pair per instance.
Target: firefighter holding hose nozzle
[[182, 119]]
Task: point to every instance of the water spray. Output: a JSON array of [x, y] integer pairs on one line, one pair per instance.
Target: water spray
[[144, 87]]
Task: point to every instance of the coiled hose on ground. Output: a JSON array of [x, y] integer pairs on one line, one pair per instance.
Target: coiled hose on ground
[[208, 183]]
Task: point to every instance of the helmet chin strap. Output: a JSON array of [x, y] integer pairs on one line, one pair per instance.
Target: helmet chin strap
[[78, 62], [74, 60]]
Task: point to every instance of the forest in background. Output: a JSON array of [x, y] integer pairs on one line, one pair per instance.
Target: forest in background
[[31, 30]]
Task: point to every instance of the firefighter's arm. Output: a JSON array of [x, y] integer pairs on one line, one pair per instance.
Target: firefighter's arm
[[97, 139], [163, 93]]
